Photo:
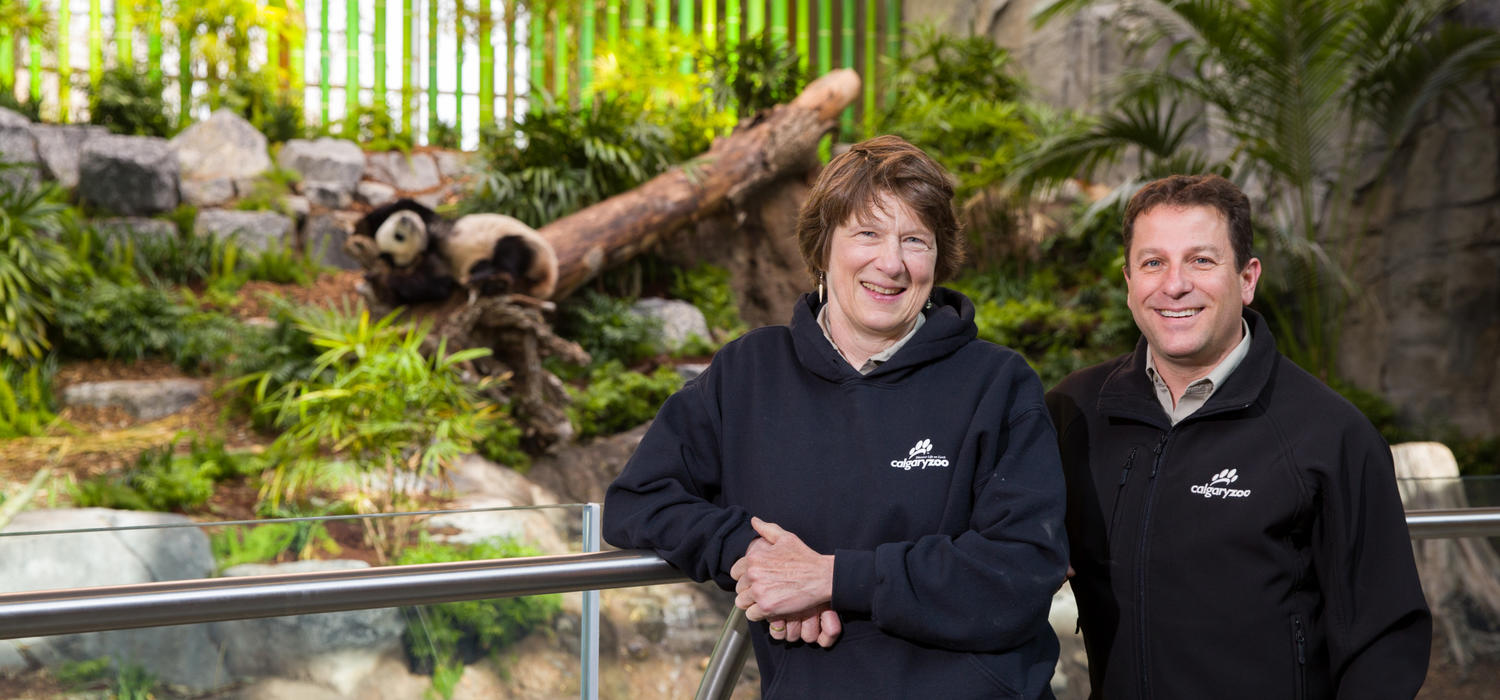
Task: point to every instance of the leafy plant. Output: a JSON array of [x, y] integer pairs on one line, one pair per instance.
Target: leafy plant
[[444, 135], [163, 480], [670, 80], [1315, 99], [756, 73], [607, 328], [126, 682], [271, 542], [129, 101], [272, 111], [26, 401], [219, 37], [448, 635], [268, 191], [375, 130], [269, 359], [616, 399], [707, 287], [182, 258], [118, 321], [32, 265]]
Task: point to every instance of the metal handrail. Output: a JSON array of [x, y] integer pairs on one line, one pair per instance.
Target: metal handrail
[[1455, 522]]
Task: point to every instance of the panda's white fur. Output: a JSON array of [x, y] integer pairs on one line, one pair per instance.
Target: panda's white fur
[[403, 236], [473, 242]]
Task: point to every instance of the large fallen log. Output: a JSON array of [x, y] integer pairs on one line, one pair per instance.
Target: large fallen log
[[772, 144]]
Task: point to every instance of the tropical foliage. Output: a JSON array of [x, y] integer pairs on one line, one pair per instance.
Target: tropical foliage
[[32, 266], [1314, 98]]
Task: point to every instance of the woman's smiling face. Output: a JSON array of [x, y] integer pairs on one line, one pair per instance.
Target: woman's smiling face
[[880, 273]]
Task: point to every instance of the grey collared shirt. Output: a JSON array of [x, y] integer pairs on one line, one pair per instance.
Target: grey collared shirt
[[1197, 393], [880, 357]]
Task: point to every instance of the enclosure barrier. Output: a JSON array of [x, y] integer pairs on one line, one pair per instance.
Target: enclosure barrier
[[67, 611]]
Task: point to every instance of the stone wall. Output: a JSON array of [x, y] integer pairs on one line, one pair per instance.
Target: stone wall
[[1426, 333]]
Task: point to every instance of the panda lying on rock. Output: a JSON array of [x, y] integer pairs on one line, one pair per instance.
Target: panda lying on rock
[[414, 255]]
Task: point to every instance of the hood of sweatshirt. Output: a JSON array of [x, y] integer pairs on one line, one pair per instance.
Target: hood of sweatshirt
[[949, 326]]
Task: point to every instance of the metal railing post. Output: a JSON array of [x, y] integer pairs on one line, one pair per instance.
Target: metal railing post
[[588, 688], [728, 659]]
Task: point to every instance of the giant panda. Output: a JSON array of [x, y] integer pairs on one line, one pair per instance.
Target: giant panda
[[497, 254], [404, 235]]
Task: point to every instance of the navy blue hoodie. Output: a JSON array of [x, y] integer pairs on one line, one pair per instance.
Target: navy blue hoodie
[[934, 480]]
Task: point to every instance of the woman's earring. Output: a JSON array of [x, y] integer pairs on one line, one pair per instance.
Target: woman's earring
[[929, 304], [821, 298]]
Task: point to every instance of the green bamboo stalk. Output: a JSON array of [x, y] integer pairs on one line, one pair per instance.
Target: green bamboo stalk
[[710, 24], [732, 33], [537, 38], [612, 26], [560, 54], [408, 65], [662, 20], [486, 65], [184, 74], [351, 57], [755, 18], [509, 20], [154, 43], [892, 40], [124, 32], [273, 58], [378, 97], [804, 35], [871, 48], [586, 52], [7, 59], [35, 41], [825, 37], [778, 23], [297, 48], [846, 53], [685, 25], [458, 73], [432, 72], [96, 44], [636, 29], [325, 59]]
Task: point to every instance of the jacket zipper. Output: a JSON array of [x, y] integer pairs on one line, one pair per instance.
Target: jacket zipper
[[1300, 640], [1140, 565], [1114, 513]]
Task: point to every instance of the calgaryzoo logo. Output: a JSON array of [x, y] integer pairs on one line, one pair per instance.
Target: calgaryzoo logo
[[920, 457], [1214, 489]]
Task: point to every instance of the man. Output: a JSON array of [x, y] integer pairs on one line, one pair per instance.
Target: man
[[1234, 523]]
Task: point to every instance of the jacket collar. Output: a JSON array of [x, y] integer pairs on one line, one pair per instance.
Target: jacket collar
[[949, 326], [1127, 391]]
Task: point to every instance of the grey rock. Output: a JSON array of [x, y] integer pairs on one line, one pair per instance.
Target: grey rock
[[255, 231], [408, 173], [18, 147], [129, 175], [373, 193], [326, 159], [183, 655], [329, 195], [679, 320], [145, 399], [690, 370], [323, 238], [11, 660], [208, 193], [61, 148], [224, 146], [135, 227], [297, 206], [453, 165], [10, 117]]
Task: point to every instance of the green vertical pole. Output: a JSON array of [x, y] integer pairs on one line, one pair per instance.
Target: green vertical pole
[[662, 20], [560, 54], [96, 43], [778, 23], [586, 52], [612, 26], [432, 72], [325, 59], [710, 24], [755, 18], [511, 7], [379, 95], [825, 37], [458, 58], [846, 53], [153, 43], [486, 65], [732, 32], [124, 29], [892, 40], [685, 25], [184, 74], [7, 59], [35, 41], [872, 49], [408, 66], [351, 57], [636, 26], [538, 68], [804, 35], [297, 49]]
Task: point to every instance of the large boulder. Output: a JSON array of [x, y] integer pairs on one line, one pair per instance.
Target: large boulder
[[255, 231], [10, 117], [129, 175], [144, 399], [323, 238], [324, 160], [679, 321], [61, 148], [415, 172], [18, 148], [91, 548], [217, 152]]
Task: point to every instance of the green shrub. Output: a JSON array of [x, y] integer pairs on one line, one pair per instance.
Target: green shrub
[[501, 444], [176, 259], [127, 682], [707, 287], [374, 129], [616, 399], [32, 266], [130, 101], [449, 635], [273, 112], [27, 406], [762, 75], [268, 359], [163, 480], [444, 135], [118, 321], [268, 191], [271, 542], [607, 329]]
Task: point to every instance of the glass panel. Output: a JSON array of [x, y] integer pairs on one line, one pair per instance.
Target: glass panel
[[495, 648]]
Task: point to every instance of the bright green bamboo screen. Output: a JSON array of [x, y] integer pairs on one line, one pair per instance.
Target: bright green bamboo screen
[[461, 64]]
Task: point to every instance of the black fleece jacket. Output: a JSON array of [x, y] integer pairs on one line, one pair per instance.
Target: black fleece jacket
[[1257, 549], [934, 480]]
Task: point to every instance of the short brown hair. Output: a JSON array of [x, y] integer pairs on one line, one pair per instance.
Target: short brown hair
[[1194, 191], [853, 181]]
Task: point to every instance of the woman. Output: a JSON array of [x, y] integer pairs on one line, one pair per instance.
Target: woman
[[881, 489]]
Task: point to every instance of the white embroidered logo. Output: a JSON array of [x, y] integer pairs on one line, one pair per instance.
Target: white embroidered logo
[[920, 457], [1213, 489]]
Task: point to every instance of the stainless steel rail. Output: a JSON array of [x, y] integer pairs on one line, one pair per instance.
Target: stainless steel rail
[[1460, 522], [45, 613]]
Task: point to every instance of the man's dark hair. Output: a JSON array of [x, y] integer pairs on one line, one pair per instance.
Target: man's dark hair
[[1180, 191]]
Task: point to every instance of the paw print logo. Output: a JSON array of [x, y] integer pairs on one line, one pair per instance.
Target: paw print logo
[[921, 448], [1227, 476]]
